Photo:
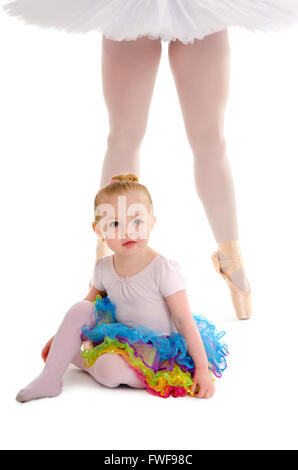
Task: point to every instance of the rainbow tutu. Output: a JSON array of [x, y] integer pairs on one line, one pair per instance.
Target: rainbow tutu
[[160, 361]]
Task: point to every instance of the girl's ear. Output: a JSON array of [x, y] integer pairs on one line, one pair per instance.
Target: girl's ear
[[96, 230]]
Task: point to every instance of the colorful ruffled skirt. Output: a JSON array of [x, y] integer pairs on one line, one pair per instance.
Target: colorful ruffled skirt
[[160, 361], [166, 19]]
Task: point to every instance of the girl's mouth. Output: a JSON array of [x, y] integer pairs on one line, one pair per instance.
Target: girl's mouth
[[129, 243]]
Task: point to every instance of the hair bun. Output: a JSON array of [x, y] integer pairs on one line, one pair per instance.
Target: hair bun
[[129, 177]]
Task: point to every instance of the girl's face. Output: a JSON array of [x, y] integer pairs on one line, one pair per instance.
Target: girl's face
[[126, 222]]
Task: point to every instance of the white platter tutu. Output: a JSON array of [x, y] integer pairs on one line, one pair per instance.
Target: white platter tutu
[[166, 19]]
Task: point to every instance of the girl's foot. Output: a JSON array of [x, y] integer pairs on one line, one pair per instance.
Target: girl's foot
[[45, 385]]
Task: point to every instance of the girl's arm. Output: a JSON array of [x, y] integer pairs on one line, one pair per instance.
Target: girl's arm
[[91, 296], [93, 292], [185, 324], [183, 319]]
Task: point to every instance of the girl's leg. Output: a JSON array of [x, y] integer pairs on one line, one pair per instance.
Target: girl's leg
[[129, 71], [66, 344], [110, 370], [202, 76]]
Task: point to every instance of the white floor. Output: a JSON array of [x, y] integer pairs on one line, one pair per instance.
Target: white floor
[[54, 128], [254, 407]]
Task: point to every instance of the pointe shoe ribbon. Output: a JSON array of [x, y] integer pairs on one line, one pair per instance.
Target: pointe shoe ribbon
[[241, 299]]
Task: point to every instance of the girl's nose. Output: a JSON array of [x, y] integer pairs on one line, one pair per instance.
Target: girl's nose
[[122, 230]]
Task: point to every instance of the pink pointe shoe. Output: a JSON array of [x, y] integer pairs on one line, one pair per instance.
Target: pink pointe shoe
[[241, 299]]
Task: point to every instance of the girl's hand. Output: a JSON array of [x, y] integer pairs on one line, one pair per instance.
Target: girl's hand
[[46, 350], [203, 379]]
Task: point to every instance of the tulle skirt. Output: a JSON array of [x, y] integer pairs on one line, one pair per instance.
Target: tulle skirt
[[160, 361], [166, 19]]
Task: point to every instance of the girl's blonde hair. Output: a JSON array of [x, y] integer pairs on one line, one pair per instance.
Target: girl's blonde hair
[[120, 184]]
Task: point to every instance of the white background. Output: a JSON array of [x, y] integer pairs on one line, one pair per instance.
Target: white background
[[53, 138]]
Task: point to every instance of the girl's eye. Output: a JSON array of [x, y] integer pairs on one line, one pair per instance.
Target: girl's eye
[[139, 221], [115, 222]]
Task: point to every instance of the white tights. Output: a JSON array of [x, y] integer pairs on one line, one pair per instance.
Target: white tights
[[110, 370]]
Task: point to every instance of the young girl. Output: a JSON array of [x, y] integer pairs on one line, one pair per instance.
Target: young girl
[[144, 334], [199, 57]]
